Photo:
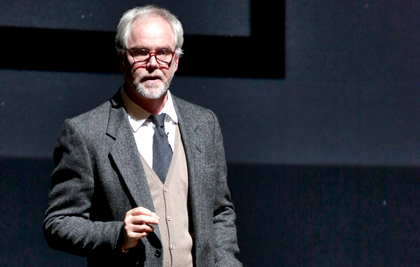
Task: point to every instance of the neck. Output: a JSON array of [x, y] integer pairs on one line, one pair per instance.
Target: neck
[[153, 106]]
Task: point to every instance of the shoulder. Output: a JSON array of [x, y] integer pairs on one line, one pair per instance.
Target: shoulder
[[93, 120], [88, 128], [189, 110], [96, 115], [85, 133]]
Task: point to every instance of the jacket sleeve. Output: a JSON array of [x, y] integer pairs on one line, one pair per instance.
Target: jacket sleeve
[[224, 215], [67, 225]]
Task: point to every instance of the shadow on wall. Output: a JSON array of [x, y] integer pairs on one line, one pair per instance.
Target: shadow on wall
[[287, 215]]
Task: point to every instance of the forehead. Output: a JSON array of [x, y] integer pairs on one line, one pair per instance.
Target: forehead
[[150, 31]]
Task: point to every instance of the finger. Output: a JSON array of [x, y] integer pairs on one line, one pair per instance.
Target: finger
[[135, 235], [139, 210], [133, 231], [143, 211], [155, 216], [141, 219], [142, 228]]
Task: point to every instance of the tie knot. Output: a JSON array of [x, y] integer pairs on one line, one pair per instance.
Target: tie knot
[[159, 120]]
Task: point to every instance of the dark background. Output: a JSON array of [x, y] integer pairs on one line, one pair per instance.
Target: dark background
[[320, 119]]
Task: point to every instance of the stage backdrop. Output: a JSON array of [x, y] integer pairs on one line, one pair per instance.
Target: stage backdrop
[[318, 104]]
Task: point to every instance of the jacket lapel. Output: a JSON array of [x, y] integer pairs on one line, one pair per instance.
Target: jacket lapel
[[191, 137], [126, 156], [194, 151], [127, 159]]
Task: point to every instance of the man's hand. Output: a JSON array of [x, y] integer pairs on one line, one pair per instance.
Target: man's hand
[[137, 224]]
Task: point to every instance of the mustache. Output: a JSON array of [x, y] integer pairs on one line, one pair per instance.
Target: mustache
[[152, 76]]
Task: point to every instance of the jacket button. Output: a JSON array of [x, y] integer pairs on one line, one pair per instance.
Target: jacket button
[[158, 253]]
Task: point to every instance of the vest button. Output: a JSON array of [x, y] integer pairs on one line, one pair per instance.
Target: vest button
[[169, 218], [165, 189], [158, 253], [172, 246]]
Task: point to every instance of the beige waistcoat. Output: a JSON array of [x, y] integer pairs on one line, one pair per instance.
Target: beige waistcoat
[[170, 202]]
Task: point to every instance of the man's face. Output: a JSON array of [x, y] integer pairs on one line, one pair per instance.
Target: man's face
[[151, 80]]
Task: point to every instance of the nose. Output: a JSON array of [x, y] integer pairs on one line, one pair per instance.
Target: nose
[[152, 63]]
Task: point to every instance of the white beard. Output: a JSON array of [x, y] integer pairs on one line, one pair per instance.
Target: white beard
[[152, 91]]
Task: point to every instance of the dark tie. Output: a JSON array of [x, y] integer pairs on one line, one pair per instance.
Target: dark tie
[[162, 152]]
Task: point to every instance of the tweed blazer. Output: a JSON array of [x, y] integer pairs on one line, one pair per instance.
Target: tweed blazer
[[99, 177]]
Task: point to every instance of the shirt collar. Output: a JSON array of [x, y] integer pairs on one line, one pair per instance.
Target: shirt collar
[[137, 115], [169, 109]]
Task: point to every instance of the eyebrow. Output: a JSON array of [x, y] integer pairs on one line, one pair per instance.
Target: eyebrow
[[145, 48]]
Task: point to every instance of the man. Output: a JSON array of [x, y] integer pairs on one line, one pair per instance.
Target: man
[[141, 179]]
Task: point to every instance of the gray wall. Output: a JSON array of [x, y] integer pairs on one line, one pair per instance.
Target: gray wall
[[349, 95], [349, 100]]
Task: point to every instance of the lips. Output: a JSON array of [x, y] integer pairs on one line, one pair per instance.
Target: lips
[[151, 78]]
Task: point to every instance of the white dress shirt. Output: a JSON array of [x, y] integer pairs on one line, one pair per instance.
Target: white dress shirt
[[143, 128]]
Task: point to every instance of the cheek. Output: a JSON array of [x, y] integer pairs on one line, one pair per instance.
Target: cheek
[[170, 72], [134, 68], [135, 72], [132, 75], [168, 75]]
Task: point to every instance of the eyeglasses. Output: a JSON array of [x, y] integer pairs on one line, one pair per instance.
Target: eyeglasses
[[142, 56]]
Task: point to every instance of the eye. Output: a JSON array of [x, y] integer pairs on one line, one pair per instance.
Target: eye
[[163, 52], [140, 52]]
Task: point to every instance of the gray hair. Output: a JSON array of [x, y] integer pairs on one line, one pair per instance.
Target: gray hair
[[136, 13]]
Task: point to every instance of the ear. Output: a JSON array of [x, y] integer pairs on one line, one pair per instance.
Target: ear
[[176, 63], [121, 61]]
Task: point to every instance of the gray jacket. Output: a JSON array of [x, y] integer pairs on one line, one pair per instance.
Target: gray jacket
[[99, 177]]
